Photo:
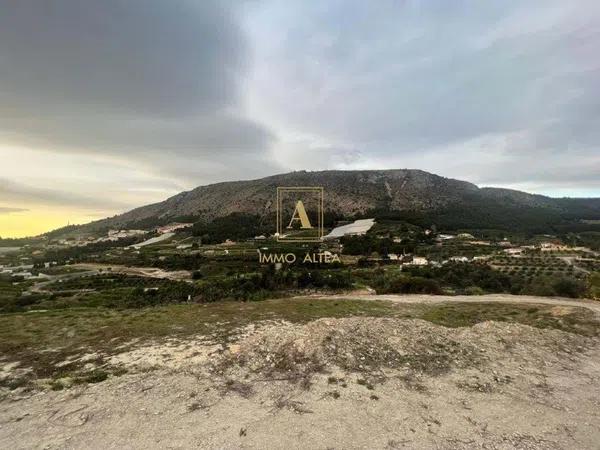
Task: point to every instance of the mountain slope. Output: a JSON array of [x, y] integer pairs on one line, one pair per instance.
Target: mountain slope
[[351, 193]]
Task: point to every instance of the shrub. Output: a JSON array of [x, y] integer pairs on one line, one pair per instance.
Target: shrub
[[540, 286], [474, 290], [411, 285], [568, 287], [196, 275]]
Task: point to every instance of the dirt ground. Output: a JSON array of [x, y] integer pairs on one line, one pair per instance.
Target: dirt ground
[[350, 382]]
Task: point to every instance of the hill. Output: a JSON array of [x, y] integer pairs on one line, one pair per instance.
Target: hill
[[411, 195]]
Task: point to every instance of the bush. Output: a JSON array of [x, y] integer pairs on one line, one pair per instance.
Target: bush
[[410, 285], [567, 287], [460, 276], [474, 290], [540, 286]]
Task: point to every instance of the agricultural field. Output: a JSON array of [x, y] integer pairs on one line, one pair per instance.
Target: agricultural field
[[535, 266]]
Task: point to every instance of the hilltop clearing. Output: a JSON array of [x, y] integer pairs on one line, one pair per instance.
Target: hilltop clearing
[[340, 372]]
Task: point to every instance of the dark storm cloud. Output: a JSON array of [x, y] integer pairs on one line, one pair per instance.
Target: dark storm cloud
[[143, 56], [120, 76]]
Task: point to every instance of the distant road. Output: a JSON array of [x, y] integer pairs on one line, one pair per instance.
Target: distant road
[[39, 287], [149, 272], [94, 269]]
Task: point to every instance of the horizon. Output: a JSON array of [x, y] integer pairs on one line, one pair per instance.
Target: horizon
[[98, 116]]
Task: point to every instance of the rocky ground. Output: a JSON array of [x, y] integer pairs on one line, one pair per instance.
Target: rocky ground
[[353, 382]]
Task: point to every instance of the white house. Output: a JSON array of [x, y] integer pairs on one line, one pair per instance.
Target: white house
[[551, 247], [459, 259], [417, 261], [513, 251]]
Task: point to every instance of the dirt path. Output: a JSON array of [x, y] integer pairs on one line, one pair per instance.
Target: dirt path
[[90, 269]]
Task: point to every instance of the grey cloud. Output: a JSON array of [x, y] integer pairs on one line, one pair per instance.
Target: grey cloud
[[125, 77], [22, 194], [148, 57], [533, 170], [224, 167], [8, 210], [404, 77], [186, 137]]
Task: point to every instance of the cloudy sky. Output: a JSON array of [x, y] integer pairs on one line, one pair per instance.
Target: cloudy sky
[[110, 104]]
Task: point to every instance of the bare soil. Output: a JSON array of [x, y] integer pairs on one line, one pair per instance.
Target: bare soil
[[344, 382]]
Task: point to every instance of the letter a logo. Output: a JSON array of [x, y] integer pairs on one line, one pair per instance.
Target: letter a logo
[[300, 214]]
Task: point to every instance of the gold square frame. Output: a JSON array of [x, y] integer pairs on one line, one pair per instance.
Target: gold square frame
[[320, 231]]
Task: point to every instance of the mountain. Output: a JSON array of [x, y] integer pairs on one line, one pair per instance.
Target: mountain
[[412, 195]]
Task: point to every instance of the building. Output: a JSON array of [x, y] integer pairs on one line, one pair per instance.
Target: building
[[459, 259], [417, 261], [172, 227], [479, 242], [513, 251], [552, 247], [114, 235]]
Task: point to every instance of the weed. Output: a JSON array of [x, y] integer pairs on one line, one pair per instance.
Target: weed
[[365, 383], [242, 389], [96, 376]]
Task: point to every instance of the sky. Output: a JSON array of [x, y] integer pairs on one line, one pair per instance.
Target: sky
[[113, 104]]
